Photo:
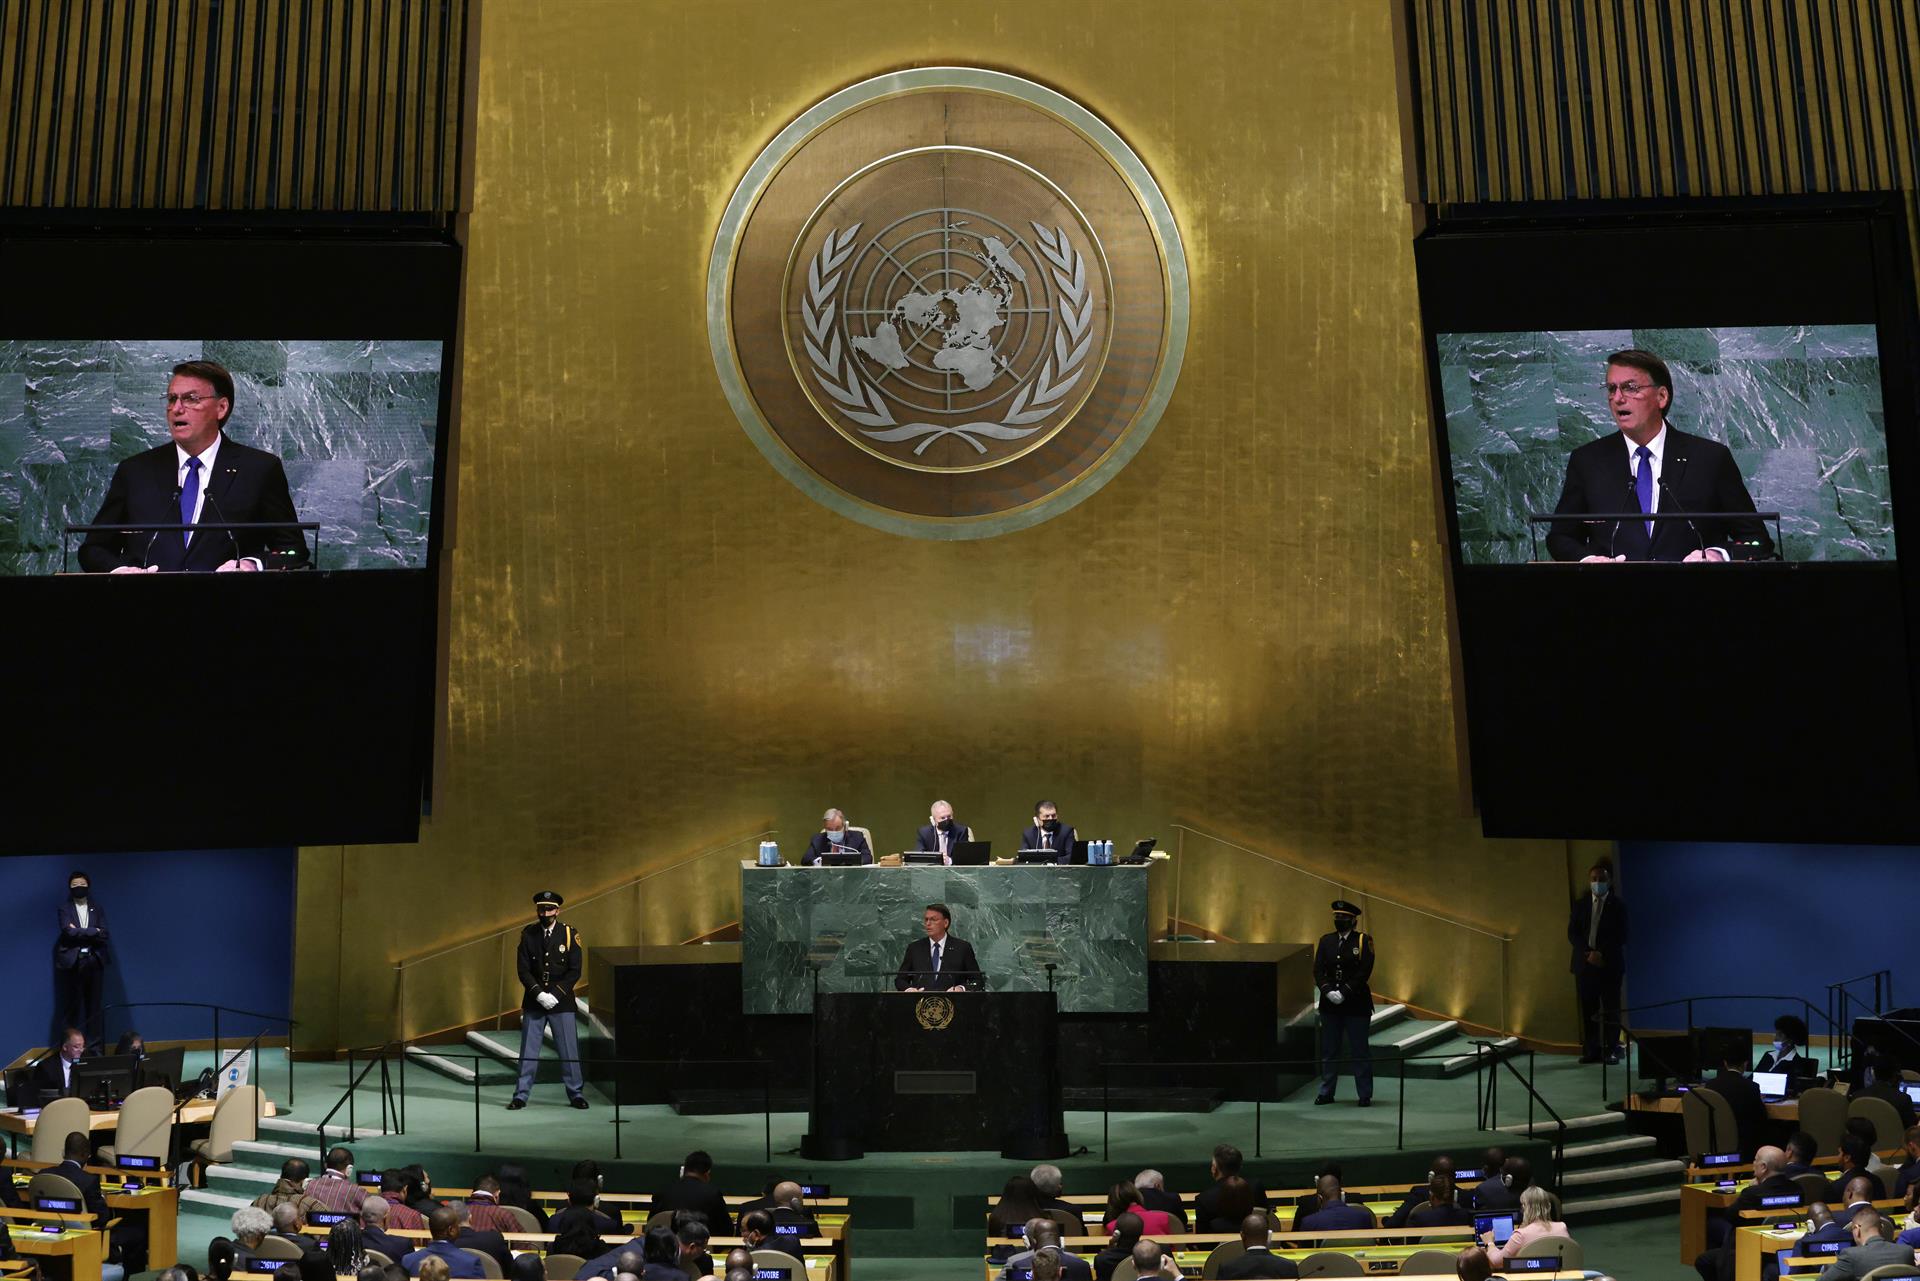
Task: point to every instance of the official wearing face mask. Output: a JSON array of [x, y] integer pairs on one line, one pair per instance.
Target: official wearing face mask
[[81, 955], [942, 832], [1048, 832], [1789, 1035], [1343, 971], [1597, 933]]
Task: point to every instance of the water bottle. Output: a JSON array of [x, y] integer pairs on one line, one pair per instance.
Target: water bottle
[[1097, 853], [773, 853], [767, 856], [1106, 851]]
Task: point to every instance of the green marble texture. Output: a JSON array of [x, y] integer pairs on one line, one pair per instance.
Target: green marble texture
[[1799, 406], [353, 421], [1092, 920]]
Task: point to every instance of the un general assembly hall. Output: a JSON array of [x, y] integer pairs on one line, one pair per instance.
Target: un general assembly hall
[[1036, 640]]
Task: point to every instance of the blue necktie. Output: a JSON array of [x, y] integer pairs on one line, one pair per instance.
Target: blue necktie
[[936, 958], [189, 497], [1643, 483]]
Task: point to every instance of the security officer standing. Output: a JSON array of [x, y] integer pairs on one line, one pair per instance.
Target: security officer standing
[[1342, 964], [549, 967]]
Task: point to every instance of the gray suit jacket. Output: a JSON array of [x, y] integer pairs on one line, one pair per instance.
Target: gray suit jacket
[[1862, 1259]]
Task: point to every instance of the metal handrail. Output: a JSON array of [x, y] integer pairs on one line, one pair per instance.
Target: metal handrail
[[408, 962], [1847, 998], [1491, 1048], [353, 1083], [217, 1010], [1344, 885]]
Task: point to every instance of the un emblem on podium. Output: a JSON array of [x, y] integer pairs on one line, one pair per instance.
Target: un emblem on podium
[[934, 1012], [948, 303]]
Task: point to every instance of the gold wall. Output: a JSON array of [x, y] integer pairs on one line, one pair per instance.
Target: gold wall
[[657, 643]]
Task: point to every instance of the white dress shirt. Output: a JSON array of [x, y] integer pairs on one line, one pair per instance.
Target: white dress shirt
[[81, 913], [1657, 447]]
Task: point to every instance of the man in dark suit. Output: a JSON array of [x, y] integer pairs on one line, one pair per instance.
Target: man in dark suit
[[1749, 1108], [81, 953], [1048, 832], [1335, 1214], [444, 1224], [1652, 467], [1416, 1195], [129, 1240], [200, 475], [1442, 1208], [943, 831], [54, 1072], [1597, 933], [836, 837], [487, 1241], [939, 962], [1044, 1234], [1856, 1154], [374, 1234], [1873, 1247], [1227, 1162], [1884, 1083], [1259, 1260], [1342, 968], [694, 1190], [1767, 1182]]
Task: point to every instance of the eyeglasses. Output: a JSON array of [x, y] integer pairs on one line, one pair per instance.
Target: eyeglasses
[[191, 399], [1628, 389]]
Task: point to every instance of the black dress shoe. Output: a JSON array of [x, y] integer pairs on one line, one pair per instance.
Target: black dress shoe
[[1589, 1058], [1322, 1099], [514, 1105], [578, 1102], [1366, 1103]]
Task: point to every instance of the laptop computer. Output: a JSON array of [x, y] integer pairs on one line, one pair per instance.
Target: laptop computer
[[1772, 1085], [972, 853]]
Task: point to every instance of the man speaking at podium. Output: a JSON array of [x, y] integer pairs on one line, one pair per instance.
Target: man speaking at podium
[[199, 475], [1652, 467], [938, 962]]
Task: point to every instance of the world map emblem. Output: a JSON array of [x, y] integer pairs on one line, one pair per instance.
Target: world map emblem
[[949, 303]]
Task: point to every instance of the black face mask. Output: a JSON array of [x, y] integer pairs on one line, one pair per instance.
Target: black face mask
[[945, 825], [1342, 924], [1052, 825], [76, 892]]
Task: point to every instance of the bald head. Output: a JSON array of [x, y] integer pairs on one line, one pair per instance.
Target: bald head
[[786, 1195], [1858, 1188], [1146, 1258], [1042, 1231], [1253, 1230], [1328, 1186], [1766, 1161]]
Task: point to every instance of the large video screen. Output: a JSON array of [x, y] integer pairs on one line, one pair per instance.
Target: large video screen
[[1675, 443], [337, 433], [1796, 408]]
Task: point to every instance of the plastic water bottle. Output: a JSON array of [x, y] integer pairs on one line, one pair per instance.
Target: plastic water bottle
[[1106, 851], [1097, 853], [773, 853], [768, 856]]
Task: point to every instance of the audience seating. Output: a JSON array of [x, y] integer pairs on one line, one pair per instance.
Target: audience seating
[[1886, 1121], [1427, 1263], [1331, 1263], [57, 1120], [145, 1126], [235, 1117], [1823, 1114], [560, 1267], [273, 1247], [1225, 1252], [489, 1266]]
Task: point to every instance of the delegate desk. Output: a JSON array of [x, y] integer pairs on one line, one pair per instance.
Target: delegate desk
[[127, 1191], [17, 1123], [826, 1260], [1375, 1249], [1759, 1236], [79, 1246]]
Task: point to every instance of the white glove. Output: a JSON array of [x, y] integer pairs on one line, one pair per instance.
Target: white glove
[[1336, 996], [547, 1000]]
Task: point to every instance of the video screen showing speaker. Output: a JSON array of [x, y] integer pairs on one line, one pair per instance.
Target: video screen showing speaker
[[1675, 443], [1786, 419], [222, 470], [295, 453]]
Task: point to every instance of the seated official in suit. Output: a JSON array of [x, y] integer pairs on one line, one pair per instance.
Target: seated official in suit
[[1127, 1231], [1653, 467], [939, 962], [1152, 1186], [1259, 1260], [374, 1234], [1334, 1213], [1225, 1164], [444, 1224], [128, 1240], [694, 1190], [942, 832], [55, 1071], [1047, 832], [1048, 1184], [1880, 1079], [1856, 1159], [1789, 1034], [1416, 1195], [1043, 1237], [1743, 1096], [836, 837], [200, 475], [1873, 1247], [1718, 1258], [1442, 1208]]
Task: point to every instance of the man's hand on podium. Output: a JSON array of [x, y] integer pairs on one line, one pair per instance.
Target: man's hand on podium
[[134, 569], [913, 989], [1605, 560], [238, 567]]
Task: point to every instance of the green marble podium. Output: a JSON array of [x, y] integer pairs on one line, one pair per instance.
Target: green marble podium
[[1090, 921]]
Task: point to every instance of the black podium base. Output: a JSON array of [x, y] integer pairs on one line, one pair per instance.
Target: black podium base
[[1036, 1147], [826, 1147]]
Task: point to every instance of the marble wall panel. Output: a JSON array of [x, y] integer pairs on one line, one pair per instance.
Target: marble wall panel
[[1799, 405], [862, 919], [354, 422]]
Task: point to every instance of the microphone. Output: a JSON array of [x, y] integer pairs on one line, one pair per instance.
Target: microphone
[[1633, 500], [1681, 508], [223, 520], [154, 534]]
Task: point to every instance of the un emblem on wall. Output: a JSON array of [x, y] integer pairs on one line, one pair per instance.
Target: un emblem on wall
[[934, 1012], [948, 303]]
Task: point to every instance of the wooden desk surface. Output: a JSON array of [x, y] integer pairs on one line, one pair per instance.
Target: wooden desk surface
[[1786, 1110], [192, 1112], [79, 1246]]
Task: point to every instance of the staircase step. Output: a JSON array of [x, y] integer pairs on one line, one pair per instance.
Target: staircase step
[[245, 1174], [1386, 1016], [490, 1044], [1461, 1057], [444, 1066], [221, 1203], [1414, 1038], [1629, 1173], [1598, 1149], [1547, 1128], [273, 1153], [1655, 1202], [337, 1132]]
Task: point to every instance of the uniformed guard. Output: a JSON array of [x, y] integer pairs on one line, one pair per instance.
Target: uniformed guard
[[549, 967], [1342, 964]]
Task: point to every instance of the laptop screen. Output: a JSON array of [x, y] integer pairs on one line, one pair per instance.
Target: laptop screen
[[1501, 1225], [1771, 1083], [1911, 1089]]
